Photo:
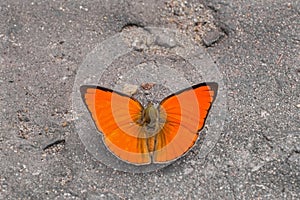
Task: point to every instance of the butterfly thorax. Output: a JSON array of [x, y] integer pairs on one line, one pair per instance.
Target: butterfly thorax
[[150, 120]]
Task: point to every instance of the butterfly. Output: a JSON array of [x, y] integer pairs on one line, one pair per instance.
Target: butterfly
[[153, 134]]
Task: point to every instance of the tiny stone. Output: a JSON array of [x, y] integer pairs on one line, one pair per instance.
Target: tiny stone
[[167, 42], [36, 173], [64, 124], [138, 44], [130, 89], [212, 37], [147, 86], [146, 92], [188, 171]]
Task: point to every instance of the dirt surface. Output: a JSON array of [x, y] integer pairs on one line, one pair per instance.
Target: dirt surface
[[256, 45]]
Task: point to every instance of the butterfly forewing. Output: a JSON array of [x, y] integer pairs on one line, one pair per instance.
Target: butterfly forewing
[[185, 112], [115, 115]]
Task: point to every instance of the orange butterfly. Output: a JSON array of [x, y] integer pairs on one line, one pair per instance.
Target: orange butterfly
[[139, 135]]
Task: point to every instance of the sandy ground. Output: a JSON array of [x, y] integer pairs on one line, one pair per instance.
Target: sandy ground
[[255, 45]]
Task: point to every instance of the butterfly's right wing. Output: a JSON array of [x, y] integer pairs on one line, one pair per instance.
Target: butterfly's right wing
[[115, 115], [184, 113]]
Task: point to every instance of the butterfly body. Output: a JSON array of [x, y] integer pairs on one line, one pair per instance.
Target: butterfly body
[[151, 120], [154, 134]]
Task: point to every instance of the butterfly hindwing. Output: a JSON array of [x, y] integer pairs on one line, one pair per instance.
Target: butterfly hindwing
[[185, 113], [115, 115]]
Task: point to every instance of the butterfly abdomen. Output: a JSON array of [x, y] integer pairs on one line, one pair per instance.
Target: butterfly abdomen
[[151, 144]]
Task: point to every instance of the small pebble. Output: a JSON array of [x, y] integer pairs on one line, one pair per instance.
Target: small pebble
[[147, 86], [212, 37], [130, 89], [64, 124]]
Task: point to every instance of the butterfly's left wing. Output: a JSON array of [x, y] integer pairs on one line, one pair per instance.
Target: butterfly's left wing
[[116, 116], [184, 113]]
